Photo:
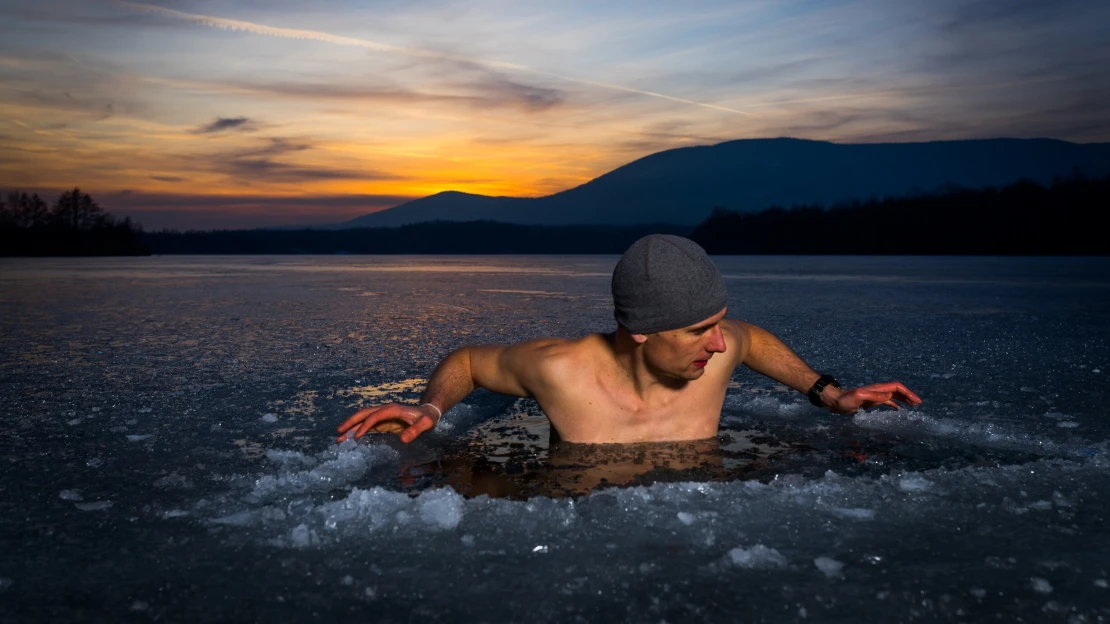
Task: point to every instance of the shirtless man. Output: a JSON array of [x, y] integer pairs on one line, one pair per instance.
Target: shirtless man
[[661, 376]]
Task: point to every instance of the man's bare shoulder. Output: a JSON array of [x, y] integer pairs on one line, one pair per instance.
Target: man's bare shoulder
[[556, 351], [556, 358], [737, 337]]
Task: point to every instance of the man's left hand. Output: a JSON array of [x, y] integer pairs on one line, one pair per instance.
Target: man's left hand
[[866, 397]]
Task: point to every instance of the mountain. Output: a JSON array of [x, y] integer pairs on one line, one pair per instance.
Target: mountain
[[682, 186]]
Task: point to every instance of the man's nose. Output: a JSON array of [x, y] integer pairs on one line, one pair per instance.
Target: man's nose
[[716, 341]]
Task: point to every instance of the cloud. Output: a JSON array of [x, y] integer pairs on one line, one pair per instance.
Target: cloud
[[486, 91], [314, 35], [528, 97], [167, 178], [91, 108], [264, 164], [241, 124]]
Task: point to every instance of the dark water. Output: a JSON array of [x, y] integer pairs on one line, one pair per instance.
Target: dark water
[[166, 433]]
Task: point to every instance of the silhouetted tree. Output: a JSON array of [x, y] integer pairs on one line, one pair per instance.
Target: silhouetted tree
[[78, 211], [76, 226], [25, 211]]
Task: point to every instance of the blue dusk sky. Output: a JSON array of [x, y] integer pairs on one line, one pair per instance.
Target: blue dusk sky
[[246, 113]]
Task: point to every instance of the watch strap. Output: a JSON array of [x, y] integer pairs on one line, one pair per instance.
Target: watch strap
[[818, 387]]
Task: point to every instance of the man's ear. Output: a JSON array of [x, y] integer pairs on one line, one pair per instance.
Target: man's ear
[[639, 338]]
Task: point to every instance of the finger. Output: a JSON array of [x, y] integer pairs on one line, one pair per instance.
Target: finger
[[867, 395], [898, 388], [389, 412], [417, 428], [355, 419]]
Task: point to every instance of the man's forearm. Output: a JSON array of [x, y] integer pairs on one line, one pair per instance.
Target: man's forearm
[[451, 381], [769, 356]]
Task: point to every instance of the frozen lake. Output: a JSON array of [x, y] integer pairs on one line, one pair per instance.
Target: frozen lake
[[167, 443]]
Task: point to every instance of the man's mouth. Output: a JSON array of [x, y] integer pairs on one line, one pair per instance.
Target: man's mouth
[[700, 363]]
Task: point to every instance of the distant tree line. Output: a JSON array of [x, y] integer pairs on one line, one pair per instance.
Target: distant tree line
[[1069, 217], [434, 237], [73, 226]]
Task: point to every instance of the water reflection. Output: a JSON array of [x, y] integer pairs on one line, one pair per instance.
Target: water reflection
[[521, 457]]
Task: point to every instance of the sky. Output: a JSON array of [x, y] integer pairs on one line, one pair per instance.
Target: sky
[[201, 114]]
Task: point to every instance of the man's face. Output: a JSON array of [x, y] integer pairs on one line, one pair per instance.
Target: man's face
[[684, 353]]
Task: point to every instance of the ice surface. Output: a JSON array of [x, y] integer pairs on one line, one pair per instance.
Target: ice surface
[[945, 512], [756, 557], [5, 583], [830, 567]]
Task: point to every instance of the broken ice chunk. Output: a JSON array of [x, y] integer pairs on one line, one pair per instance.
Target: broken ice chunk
[[1040, 585], [71, 495], [830, 567], [853, 513], [914, 483], [686, 518], [139, 438], [269, 418], [440, 508], [756, 557], [301, 536]]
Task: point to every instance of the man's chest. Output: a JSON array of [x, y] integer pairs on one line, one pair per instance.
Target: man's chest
[[594, 411]]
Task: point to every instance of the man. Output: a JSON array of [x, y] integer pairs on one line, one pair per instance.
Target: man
[[661, 376]]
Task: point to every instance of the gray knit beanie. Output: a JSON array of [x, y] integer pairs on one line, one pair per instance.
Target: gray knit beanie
[[666, 282]]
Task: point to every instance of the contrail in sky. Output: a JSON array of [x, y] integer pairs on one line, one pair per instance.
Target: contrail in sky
[[315, 35]]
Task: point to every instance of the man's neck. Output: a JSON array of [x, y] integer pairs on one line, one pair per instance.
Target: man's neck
[[642, 380]]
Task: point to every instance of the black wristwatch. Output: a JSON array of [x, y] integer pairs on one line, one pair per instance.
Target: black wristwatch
[[814, 393]]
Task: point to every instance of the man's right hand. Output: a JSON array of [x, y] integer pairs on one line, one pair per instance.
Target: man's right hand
[[408, 420]]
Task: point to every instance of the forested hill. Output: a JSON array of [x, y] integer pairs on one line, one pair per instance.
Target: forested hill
[[1070, 217], [683, 185]]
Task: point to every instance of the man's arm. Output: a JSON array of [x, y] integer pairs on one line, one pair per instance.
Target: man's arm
[[767, 355], [503, 369]]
